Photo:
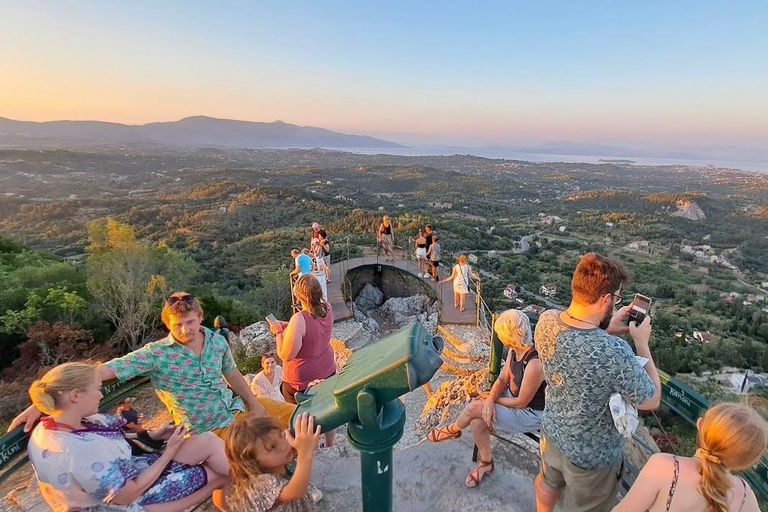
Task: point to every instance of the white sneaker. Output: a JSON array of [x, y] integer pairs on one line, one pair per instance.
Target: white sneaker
[[421, 275]]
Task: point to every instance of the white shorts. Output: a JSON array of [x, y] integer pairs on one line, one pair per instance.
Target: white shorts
[[421, 252]]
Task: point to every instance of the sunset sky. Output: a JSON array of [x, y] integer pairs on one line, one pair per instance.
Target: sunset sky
[[438, 72]]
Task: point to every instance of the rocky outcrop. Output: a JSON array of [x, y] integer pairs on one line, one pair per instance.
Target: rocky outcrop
[[406, 310], [688, 209], [449, 399], [368, 323], [370, 297], [257, 340]]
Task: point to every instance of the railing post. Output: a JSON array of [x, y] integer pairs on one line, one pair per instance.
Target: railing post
[[494, 361]]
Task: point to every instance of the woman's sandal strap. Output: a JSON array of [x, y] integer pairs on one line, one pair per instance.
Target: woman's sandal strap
[[443, 434], [476, 477]]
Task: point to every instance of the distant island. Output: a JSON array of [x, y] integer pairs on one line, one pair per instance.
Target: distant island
[[616, 161]]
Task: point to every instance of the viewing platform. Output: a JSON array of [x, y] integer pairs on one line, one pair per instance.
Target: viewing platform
[[344, 272]]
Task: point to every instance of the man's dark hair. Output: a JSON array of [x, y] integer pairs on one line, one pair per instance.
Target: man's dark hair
[[428, 226], [595, 276]]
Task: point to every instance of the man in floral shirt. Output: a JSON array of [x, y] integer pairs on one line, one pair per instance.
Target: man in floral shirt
[[192, 371], [585, 363]]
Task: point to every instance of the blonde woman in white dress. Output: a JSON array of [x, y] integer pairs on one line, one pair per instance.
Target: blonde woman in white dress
[[460, 274]]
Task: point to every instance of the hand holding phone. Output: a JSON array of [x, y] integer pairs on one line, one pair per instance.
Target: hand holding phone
[[641, 305], [274, 325]]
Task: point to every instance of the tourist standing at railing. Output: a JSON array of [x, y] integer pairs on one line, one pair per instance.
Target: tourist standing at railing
[[82, 461], [315, 232], [585, 363], [304, 342], [428, 234], [731, 437], [302, 262], [421, 253], [317, 255], [433, 258], [386, 237], [325, 245], [460, 275], [192, 370], [515, 403]]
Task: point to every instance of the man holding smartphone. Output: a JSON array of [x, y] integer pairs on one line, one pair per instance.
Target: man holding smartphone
[[585, 362]]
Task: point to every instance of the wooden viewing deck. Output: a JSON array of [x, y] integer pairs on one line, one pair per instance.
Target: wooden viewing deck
[[448, 314]]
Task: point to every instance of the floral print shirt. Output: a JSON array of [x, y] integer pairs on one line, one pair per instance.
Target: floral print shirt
[[85, 469], [583, 368], [262, 496], [192, 388]]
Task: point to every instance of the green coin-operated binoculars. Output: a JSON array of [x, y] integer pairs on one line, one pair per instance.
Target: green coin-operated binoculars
[[364, 396]]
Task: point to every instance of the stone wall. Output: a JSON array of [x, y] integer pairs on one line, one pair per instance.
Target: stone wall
[[393, 281]]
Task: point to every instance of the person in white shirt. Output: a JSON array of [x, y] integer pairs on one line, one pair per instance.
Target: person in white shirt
[[267, 382]]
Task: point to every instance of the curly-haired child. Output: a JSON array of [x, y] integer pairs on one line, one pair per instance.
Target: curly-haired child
[[259, 452]]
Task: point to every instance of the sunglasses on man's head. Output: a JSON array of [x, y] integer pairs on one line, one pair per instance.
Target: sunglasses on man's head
[[186, 298]]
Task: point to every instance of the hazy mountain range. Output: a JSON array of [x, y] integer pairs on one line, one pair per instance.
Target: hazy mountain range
[[202, 131], [190, 131]]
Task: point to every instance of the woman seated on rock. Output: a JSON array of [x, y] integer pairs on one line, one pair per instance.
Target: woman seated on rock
[[268, 381], [83, 462], [515, 403], [732, 437]]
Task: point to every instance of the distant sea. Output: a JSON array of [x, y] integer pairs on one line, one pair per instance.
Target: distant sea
[[497, 153]]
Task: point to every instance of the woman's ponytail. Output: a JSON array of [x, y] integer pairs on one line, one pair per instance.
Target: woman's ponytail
[[41, 399], [715, 481], [731, 437]]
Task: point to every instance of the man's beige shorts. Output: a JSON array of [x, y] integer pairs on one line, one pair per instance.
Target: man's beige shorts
[[586, 490]]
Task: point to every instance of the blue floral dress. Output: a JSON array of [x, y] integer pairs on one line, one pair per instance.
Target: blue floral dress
[[85, 469]]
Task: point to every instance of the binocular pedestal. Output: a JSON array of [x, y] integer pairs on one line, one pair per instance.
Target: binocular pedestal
[[374, 436]]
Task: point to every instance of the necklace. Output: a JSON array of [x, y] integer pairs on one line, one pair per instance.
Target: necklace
[[52, 424], [579, 319]]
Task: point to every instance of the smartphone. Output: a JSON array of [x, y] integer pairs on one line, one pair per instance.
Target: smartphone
[[640, 307], [271, 319]]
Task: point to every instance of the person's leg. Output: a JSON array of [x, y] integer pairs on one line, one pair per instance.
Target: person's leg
[[289, 392], [462, 297], [482, 436], [280, 410], [473, 410], [592, 489], [546, 496], [550, 481], [205, 448], [453, 430], [215, 481], [456, 298]]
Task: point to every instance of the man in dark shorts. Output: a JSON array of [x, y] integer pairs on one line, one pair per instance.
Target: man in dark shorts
[[585, 363], [433, 257]]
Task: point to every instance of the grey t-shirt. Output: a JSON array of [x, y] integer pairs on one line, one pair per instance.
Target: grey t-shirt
[[583, 368], [435, 254]]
